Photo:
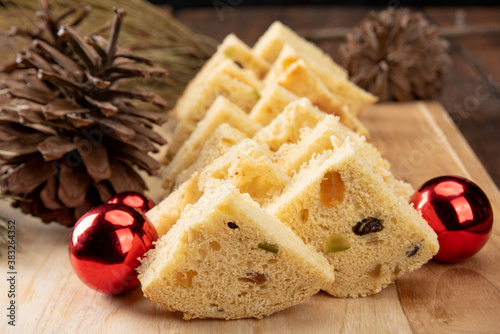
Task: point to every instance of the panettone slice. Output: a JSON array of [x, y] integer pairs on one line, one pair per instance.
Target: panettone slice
[[224, 137], [288, 126], [346, 92], [329, 134], [222, 111], [370, 236], [231, 48], [227, 258], [197, 99], [273, 100], [299, 79], [247, 165], [269, 46]]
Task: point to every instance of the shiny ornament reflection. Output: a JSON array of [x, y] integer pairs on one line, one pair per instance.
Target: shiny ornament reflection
[[134, 199], [105, 246], [460, 214]]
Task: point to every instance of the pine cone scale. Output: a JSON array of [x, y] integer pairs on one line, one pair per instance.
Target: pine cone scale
[[8, 133], [80, 122], [103, 189], [26, 144], [18, 90], [86, 53], [73, 184], [117, 128], [28, 176], [123, 179], [32, 59], [58, 108], [59, 58], [107, 108], [48, 195], [95, 158]]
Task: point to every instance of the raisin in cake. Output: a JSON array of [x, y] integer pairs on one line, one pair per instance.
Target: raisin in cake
[[226, 258]]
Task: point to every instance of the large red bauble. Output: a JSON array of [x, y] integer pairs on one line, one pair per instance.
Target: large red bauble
[[105, 246], [134, 199], [460, 214]]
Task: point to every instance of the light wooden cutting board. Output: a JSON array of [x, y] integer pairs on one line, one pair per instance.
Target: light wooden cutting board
[[420, 141]]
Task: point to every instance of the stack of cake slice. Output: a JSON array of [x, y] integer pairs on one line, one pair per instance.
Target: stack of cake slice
[[227, 258], [273, 189]]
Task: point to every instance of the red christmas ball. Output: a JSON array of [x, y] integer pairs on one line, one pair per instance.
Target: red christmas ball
[[460, 214], [105, 246], [134, 199]]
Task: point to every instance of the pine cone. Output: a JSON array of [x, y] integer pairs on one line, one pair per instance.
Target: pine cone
[[396, 55], [69, 139]]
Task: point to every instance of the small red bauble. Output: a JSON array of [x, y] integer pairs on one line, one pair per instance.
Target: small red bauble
[[105, 246], [460, 214], [134, 199]]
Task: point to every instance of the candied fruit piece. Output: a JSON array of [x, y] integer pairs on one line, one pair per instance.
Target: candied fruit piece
[[332, 189], [335, 243], [268, 247]]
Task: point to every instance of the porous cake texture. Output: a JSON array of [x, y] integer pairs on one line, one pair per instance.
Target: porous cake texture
[[300, 80], [287, 127], [231, 48], [274, 98], [226, 258]]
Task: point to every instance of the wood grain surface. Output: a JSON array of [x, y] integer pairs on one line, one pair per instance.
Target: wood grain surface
[[421, 142]]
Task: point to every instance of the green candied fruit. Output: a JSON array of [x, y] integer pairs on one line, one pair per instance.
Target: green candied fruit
[[335, 243], [172, 187], [269, 247], [256, 93], [229, 53]]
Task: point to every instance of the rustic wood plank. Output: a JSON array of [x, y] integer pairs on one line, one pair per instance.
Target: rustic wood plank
[[437, 298], [458, 297]]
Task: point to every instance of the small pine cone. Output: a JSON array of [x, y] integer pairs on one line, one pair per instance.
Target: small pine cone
[[396, 55]]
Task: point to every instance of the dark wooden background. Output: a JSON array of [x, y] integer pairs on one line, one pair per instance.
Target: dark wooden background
[[471, 93]]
